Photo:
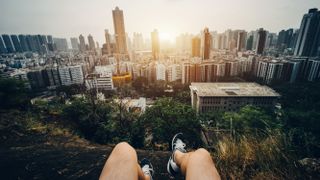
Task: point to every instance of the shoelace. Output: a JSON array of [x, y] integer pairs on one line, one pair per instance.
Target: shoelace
[[147, 170]]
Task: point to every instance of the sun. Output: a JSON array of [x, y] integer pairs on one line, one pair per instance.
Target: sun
[[165, 36]]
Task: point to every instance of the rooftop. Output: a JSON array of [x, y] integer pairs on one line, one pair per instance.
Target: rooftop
[[232, 89]]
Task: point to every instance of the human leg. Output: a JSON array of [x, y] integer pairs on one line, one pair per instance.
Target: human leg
[[194, 165], [123, 164]]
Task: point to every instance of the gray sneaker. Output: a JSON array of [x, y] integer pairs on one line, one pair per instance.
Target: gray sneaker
[[147, 167], [176, 144]]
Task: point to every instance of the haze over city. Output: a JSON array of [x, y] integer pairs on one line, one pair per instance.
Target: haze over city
[[171, 17], [159, 89]]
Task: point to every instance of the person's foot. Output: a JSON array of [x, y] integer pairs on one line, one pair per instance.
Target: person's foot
[[147, 167], [176, 145]]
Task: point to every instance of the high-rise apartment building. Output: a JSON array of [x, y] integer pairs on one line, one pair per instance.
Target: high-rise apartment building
[[196, 46], [92, 46], [23, 43], [16, 43], [82, 43], [2, 46], [74, 43], [308, 41], [61, 44], [138, 43], [9, 45], [241, 42], [261, 41], [206, 44], [155, 45], [119, 29]]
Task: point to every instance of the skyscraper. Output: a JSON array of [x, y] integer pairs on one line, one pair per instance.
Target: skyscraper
[[196, 44], [31, 43], [61, 44], [261, 41], [2, 47], [92, 46], [241, 42], [7, 41], [119, 30], [138, 41], [51, 46], [155, 45], [108, 42], [82, 43], [74, 43], [308, 42], [23, 43], [205, 44], [16, 43]]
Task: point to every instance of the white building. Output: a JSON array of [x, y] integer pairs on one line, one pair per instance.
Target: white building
[[174, 72], [160, 72], [71, 75], [100, 79]]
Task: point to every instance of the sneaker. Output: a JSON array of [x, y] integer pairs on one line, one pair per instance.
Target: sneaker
[[176, 145], [147, 167]]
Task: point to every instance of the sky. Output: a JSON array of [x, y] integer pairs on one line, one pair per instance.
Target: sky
[[70, 18]]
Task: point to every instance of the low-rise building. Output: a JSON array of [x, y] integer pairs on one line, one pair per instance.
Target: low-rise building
[[206, 97]]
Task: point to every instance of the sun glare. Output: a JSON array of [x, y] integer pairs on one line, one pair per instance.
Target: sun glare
[[165, 36]]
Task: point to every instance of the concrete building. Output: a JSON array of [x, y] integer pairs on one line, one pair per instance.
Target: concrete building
[[82, 45], [71, 75], [155, 45], [74, 43], [261, 41], [101, 79], [308, 40], [208, 97], [91, 42], [160, 72], [119, 30], [196, 46], [206, 44], [174, 72]]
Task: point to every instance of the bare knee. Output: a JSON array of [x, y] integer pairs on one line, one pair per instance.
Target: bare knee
[[125, 149], [202, 153]]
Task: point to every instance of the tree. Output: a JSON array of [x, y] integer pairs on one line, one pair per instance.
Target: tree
[[168, 117], [250, 119], [13, 94]]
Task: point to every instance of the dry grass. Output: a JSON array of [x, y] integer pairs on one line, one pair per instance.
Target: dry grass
[[255, 158]]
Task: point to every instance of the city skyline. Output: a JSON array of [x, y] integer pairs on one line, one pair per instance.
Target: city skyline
[[172, 20]]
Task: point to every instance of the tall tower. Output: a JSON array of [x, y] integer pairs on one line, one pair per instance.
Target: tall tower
[[2, 47], [155, 44], [241, 42], [7, 41], [119, 31], [206, 44], [196, 43], [74, 43], [262, 36], [16, 43], [82, 43], [108, 41], [308, 42], [92, 46]]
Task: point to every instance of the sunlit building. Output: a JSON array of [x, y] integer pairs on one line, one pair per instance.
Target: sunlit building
[[119, 29], [196, 46], [209, 97], [155, 45], [206, 44]]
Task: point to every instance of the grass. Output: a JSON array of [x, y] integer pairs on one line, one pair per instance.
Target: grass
[[255, 158]]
